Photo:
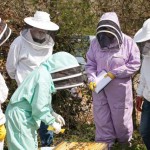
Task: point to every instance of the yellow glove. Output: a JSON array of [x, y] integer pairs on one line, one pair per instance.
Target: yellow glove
[[109, 74], [51, 128], [92, 86], [2, 132]]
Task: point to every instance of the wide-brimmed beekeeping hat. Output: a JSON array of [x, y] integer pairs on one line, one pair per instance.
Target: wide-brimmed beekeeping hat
[[143, 34], [41, 20]]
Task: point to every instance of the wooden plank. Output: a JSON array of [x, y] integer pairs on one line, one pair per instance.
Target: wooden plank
[[81, 146]]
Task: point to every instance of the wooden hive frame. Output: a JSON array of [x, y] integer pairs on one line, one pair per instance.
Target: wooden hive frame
[[81, 146]]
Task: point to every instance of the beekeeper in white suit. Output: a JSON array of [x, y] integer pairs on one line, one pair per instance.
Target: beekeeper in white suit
[[143, 90], [4, 35], [28, 51]]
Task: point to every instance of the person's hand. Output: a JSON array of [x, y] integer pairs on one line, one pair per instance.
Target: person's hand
[[92, 86], [138, 104], [111, 75], [58, 118], [57, 127], [2, 132]]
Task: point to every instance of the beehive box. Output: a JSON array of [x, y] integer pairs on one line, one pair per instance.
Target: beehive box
[[81, 146]]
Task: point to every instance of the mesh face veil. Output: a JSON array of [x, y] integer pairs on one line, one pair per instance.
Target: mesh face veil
[[146, 49], [64, 70], [68, 78], [4, 32], [107, 31]]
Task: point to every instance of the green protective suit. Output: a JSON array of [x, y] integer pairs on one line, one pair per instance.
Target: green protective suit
[[31, 103]]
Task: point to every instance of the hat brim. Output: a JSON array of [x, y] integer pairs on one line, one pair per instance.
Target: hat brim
[[140, 36], [51, 26], [68, 87], [5, 36]]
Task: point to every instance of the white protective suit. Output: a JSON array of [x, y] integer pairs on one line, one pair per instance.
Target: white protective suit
[[143, 89], [25, 55], [3, 97]]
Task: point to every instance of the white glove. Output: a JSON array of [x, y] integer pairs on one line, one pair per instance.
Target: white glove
[[58, 118], [57, 127]]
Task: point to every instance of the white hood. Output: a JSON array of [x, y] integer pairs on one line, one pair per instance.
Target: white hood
[[26, 35]]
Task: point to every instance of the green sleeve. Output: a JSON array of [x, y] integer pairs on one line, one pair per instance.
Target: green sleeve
[[41, 102]]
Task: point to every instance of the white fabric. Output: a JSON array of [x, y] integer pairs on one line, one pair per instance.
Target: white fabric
[[25, 55], [57, 127], [47, 148], [1, 145], [3, 97], [144, 84], [41, 20], [3, 90], [144, 33], [58, 118], [2, 119], [102, 81], [26, 35]]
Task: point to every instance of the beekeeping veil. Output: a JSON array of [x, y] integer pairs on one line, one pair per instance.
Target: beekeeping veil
[[4, 32], [65, 70], [142, 38], [108, 33]]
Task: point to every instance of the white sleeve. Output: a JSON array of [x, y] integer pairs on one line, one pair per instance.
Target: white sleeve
[[141, 85], [3, 90], [12, 60]]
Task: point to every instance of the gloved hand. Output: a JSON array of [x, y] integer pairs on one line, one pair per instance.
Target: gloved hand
[[92, 86], [57, 127], [58, 118], [2, 132], [138, 103], [111, 75], [51, 128]]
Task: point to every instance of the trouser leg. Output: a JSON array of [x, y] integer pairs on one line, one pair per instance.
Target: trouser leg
[[123, 124], [145, 124], [102, 118], [45, 135], [21, 133]]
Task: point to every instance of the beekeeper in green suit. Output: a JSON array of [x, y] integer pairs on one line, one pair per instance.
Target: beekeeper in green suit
[[31, 103]]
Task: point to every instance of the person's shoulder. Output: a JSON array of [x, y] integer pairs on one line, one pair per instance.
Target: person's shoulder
[[94, 43], [127, 37], [43, 74], [17, 40], [35, 76]]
